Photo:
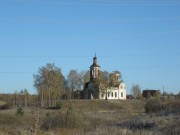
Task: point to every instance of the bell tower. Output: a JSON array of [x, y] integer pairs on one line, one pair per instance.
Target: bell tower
[[94, 69]]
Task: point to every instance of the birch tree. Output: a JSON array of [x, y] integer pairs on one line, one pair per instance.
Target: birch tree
[[49, 83], [136, 91]]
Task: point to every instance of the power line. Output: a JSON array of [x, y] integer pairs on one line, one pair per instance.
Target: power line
[[139, 55], [15, 72], [101, 2], [96, 37], [44, 56], [101, 56], [91, 20], [145, 67], [137, 1]]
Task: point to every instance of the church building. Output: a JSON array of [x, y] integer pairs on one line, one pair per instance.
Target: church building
[[92, 92]]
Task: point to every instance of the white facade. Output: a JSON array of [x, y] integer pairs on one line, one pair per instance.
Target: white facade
[[91, 92], [115, 93]]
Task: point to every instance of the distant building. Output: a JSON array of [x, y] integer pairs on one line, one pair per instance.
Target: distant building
[[92, 92], [129, 97], [150, 93]]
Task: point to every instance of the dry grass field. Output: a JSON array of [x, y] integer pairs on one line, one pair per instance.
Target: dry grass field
[[2, 102], [94, 117]]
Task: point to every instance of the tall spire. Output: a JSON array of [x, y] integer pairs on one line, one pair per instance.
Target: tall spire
[[95, 59]]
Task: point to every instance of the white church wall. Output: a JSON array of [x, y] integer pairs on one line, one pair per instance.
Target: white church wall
[[114, 93], [122, 91]]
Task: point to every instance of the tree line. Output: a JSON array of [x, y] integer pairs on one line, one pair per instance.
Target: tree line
[[52, 86], [18, 98]]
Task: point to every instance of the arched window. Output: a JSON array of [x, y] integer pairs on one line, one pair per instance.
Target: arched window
[[112, 94], [115, 94], [92, 73], [121, 94]]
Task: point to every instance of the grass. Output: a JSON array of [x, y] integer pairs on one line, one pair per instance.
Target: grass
[[2, 102], [97, 117]]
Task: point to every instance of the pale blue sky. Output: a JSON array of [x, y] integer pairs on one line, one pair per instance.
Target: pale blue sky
[[139, 38]]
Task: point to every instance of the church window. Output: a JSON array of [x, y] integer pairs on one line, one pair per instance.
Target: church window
[[115, 94], [112, 94], [121, 94], [98, 72]]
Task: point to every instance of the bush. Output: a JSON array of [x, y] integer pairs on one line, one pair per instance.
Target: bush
[[52, 108], [52, 122], [20, 111], [70, 119], [171, 129], [48, 114], [138, 123], [59, 105], [4, 107], [156, 106], [152, 106]]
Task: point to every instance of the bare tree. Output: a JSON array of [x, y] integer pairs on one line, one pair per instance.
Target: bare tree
[[85, 76], [136, 91], [26, 95], [75, 80]]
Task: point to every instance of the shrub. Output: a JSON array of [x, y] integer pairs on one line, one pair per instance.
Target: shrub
[[53, 121], [70, 119], [141, 124], [171, 129], [152, 106], [4, 107], [48, 114], [20, 111], [59, 105], [35, 129], [155, 106], [138, 123]]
